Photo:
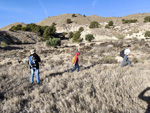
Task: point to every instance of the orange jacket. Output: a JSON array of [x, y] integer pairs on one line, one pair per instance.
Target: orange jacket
[[76, 57]]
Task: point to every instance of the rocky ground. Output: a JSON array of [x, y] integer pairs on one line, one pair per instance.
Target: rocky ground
[[100, 86]]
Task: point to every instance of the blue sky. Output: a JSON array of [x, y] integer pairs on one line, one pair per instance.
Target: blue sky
[[33, 11]]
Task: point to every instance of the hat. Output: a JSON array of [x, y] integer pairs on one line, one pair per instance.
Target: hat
[[129, 46], [32, 51]]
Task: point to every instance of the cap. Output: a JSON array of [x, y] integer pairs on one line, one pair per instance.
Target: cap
[[32, 51]]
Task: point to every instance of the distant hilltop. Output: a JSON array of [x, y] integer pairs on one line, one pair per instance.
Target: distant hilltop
[[83, 19]]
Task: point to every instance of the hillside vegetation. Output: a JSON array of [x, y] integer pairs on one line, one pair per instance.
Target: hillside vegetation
[[100, 86]]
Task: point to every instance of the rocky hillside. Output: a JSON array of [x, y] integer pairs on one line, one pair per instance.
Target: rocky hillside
[[118, 31], [6, 28], [81, 20], [18, 37]]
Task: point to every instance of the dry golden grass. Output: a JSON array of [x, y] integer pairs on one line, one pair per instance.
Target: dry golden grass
[[98, 87]]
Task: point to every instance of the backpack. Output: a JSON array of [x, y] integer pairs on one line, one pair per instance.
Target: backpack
[[122, 53], [32, 61], [73, 59]]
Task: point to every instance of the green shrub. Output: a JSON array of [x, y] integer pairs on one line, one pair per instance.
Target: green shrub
[[54, 42], [147, 34], [24, 29], [89, 37], [70, 35], [107, 26], [37, 30], [81, 29], [30, 27], [5, 35], [43, 29], [84, 15], [109, 60], [76, 37], [120, 36], [3, 44], [15, 28], [68, 21], [94, 24], [147, 19], [49, 32], [128, 21], [73, 15], [111, 23], [64, 34]]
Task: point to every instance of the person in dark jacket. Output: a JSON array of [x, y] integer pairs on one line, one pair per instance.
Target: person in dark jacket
[[34, 60], [76, 65]]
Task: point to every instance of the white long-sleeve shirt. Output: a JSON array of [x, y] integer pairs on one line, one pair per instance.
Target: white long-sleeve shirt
[[127, 51]]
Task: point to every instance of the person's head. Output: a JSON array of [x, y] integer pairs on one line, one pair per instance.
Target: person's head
[[32, 51], [129, 46], [77, 53]]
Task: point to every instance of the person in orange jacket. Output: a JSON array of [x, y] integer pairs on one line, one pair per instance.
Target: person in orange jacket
[[76, 65]]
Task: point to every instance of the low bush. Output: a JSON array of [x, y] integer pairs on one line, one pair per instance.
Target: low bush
[[111, 23], [3, 44], [73, 15], [147, 19], [109, 60], [129, 21], [94, 24], [15, 28], [89, 37], [120, 36], [54, 42], [81, 29], [64, 34], [147, 34], [70, 35], [107, 26], [49, 32], [76, 37], [84, 15], [68, 21]]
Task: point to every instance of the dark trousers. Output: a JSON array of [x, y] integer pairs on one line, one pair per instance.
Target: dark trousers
[[76, 67]]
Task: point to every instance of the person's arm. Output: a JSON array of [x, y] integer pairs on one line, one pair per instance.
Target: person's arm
[[132, 54]]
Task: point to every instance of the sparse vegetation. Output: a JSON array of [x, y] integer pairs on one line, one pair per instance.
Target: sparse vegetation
[[81, 29], [129, 21], [76, 37], [3, 44], [89, 37], [64, 34], [109, 60], [84, 15], [49, 32], [73, 15], [70, 35], [100, 83], [15, 28], [147, 19], [53, 42], [107, 26], [111, 23], [68, 21], [94, 24], [147, 34], [120, 36]]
